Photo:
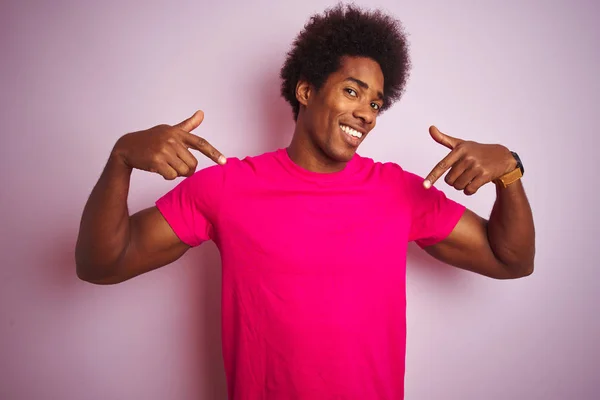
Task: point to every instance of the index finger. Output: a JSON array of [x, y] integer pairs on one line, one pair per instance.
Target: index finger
[[196, 142], [440, 168]]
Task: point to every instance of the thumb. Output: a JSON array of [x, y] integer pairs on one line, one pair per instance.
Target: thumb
[[192, 122], [443, 139]]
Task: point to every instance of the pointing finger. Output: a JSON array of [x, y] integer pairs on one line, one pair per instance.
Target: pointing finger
[[441, 167], [200, 144]]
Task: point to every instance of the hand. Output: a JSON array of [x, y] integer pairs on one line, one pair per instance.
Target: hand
[[164, 149], [471, 164]]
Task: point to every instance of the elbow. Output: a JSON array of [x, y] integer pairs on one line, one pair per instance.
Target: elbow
[[88, 274], [84, 273], [90, 269], [520, 266], [97, 279], [526, 268], [520, 271], [526, 271], [98, 275], [83, 268]]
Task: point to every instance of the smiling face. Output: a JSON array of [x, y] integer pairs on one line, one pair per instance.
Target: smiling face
[[334, 120]]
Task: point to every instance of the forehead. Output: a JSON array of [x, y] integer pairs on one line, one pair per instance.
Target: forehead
[[361, 68]]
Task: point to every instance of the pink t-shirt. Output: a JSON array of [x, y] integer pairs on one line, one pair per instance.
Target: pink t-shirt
[[313, 303]]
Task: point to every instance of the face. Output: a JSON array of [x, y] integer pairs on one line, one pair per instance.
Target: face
[[338, 117]]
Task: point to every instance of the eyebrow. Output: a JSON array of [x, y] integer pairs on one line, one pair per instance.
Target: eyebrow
[[363, 85]]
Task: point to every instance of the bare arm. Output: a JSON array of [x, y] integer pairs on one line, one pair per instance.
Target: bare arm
[[501, 248], [504, 246], [113, 246]]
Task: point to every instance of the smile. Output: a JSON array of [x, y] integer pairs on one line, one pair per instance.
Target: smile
[[350, 131]]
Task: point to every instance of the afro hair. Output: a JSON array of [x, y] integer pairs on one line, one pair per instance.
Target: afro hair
[[346, 31]]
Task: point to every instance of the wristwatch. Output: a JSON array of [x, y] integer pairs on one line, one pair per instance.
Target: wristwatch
[[512, 176]]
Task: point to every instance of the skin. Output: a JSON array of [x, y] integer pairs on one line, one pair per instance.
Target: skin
[[502, 247], [350, 96], [114, 246]]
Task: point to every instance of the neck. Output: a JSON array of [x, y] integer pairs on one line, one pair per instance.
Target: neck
[[304, 152]]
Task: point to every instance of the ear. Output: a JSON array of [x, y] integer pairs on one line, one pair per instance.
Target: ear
[[303, 92]]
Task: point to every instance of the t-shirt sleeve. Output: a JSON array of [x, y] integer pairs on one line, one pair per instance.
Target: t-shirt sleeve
[[433, 215], [191, 208]]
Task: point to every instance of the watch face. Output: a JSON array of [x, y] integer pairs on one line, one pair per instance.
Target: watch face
[[519, 163]]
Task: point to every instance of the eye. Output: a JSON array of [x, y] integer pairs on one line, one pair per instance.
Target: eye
[[375, 106], [351, 92]]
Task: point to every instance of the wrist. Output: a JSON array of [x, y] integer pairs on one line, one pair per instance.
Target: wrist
[[514, 172], [117, 162], [512, 163], [117, 156]]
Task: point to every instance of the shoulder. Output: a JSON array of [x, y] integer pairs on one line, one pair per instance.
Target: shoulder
[[250, 163], [235, 170], [404, 183], [388, 171], [247, 167]]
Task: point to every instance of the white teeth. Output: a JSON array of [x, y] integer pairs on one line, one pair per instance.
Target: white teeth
[[350, 131]]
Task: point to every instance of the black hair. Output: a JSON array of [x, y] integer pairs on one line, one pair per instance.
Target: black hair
[[346, 31]]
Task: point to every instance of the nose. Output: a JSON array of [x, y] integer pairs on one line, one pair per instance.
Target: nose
[[365, 113]]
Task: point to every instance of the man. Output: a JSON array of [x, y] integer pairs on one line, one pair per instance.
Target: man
[[313, 237]]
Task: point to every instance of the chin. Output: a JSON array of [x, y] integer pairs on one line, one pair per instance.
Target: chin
[[341, 153]]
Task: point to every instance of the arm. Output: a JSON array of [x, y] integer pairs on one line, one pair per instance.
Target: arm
[[504, 246], [113, 246], [501, 248]]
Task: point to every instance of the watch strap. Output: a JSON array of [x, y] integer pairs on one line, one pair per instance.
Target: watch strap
[[509, 178]]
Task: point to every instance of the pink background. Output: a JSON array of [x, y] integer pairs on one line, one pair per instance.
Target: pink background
[[75, 77]]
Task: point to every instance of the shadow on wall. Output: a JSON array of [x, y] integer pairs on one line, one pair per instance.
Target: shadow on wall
[[199, 273]]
